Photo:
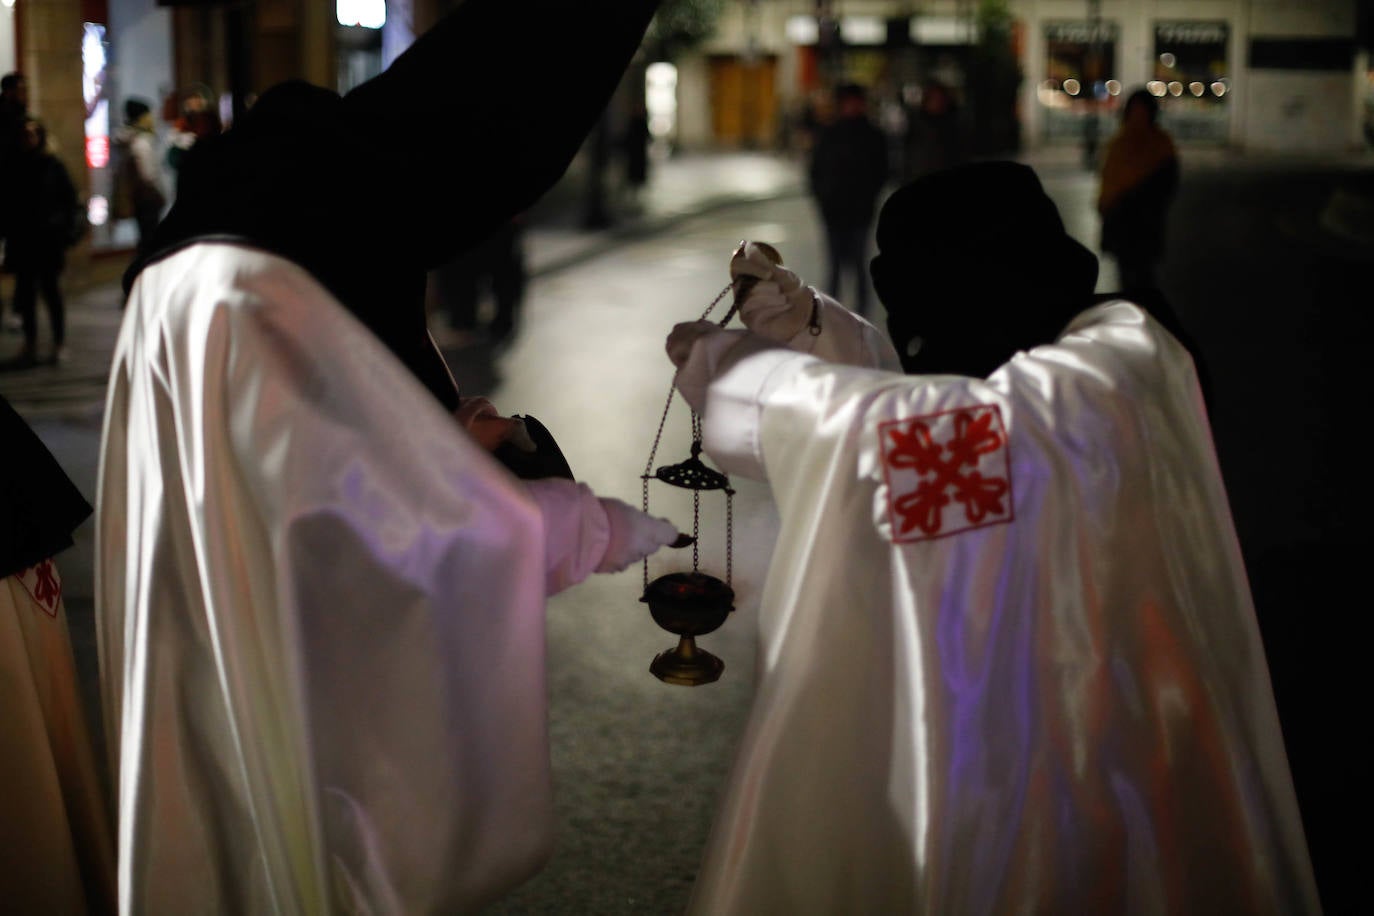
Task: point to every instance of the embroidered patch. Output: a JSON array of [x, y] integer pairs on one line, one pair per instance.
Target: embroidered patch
[[946, 472], [44, 586]]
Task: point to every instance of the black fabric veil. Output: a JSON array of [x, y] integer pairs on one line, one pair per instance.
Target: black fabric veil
[[467, 128], [39, 505]]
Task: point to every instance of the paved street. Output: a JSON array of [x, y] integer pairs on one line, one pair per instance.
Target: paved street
[[1268, 296]]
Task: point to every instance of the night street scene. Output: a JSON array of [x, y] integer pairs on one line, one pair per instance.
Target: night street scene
[[721, 457]]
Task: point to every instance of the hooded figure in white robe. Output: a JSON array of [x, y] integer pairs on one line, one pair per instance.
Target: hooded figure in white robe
[[1009, 660], [320, 601], [56, 842]]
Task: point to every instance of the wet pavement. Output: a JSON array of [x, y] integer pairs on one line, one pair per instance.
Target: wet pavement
[[1270, 296]]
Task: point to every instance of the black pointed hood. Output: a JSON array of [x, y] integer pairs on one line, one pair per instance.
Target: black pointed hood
[[975, 260], [466, 129]]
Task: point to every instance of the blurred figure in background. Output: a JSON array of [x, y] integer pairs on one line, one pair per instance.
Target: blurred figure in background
[[56, 842], [812, 114], [934, 137], [196, 120], [634, 148], [848, 170], [137, 172], [43, 215], [495, 266], [14, 111], [14, 108], [1139, 178]]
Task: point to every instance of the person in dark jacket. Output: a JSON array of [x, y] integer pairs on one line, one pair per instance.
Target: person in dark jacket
[[848, 170], [1139, 178], [934, 138], [43, 209], [14, 111]]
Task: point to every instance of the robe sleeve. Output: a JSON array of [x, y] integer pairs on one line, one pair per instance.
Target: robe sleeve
[[751, 378], [845, 337], [324, 640], [412, 577]]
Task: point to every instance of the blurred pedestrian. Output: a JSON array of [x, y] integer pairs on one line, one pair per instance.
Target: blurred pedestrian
[[495, 266], [14, 111], [321, 593], [1139, 179], [196, 120], [56, 842], [1049, 694], [14, 108], [137, 171], [848, 170], [634, 149], [935, 138], [45, 220]]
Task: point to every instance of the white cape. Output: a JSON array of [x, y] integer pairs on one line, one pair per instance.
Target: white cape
[[320, 613], [1009, 660], [56, 845]]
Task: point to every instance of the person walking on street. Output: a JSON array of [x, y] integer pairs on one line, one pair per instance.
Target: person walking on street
[[14, 109], [1139, 178], [198, 120], [634, 147], [137, 172], [934, 138], [496, 265], [848, 170], [43, 210]]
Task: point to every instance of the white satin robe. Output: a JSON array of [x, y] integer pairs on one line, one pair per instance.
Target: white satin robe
[[56, 845], [1063, 708], [320, 611]]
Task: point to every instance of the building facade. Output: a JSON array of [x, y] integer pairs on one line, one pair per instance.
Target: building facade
[[1260, 75]]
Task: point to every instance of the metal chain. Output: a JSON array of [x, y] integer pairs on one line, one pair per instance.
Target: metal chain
[[649, 467], [696, 530], [716, 301], [730, 538], [696, 437], [645, 509]]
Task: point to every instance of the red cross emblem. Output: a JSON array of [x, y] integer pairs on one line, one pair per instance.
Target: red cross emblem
[[946, 472], [44, 586]]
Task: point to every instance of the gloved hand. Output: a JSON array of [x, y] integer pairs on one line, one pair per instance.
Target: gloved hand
[[479, 417], [584, 533], [697, 348], [634, 535], [778, 306]]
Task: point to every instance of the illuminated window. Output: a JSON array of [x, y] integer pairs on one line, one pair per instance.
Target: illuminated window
[[369, 14], [660, 98]]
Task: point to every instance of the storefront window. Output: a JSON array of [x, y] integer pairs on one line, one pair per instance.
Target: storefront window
[[1080, 76], [1192, 79]]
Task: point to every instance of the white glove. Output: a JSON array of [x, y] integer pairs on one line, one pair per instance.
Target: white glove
[[697, 348], [634, 535], [778, 306], [584, 533]]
